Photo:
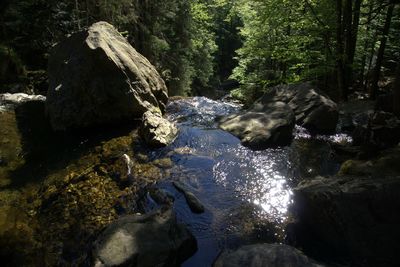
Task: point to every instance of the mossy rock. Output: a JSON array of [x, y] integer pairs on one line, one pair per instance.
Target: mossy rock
[[385, 164]]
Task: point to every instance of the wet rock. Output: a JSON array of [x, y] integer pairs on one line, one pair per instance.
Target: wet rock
[[161, 196], [258, 255], [164, 163], [261, 128], [155, 239], [312, 157], [157, 131], [382, 131], [349, 218], [17, 99], [314, 111], [123, 170], [193, 202], [97, 77], [386, 163]]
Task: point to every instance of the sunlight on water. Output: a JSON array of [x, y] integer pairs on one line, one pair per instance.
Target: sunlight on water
[[199, 110], [246, 193], [339, 138], [256, 177]]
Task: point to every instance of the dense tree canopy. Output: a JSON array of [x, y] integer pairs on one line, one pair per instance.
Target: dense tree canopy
[[197, 44]]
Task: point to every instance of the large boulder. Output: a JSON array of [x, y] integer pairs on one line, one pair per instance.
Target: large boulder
[[313, 110], [269, 126], [354, 219], [97, 77], [156, 131], [260, 255], [155, 239]]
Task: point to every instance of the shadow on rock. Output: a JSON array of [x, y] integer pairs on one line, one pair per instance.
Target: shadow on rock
[[155, 239], [349, 219]]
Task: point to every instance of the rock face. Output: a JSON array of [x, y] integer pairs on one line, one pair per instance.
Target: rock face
[[262, 127], [314, 111], [97, 77], [350, 218], [259, 255], [144, 240], [157, 131], [381, 131], [385, 164]]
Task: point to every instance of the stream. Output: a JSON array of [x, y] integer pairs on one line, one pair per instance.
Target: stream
[[246, 193], [47, 181]]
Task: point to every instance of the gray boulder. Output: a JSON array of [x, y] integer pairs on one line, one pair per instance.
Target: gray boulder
[[355, 219], [314, 111], [260, 255], [149, 240], [97, 77], [157, 131], [268, 126]]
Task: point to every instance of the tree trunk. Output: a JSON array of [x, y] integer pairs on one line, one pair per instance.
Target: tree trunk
[[354, 31], [348, 35], [366, 45], [353, 41], [381, 51], [396, 98], [340, 52]]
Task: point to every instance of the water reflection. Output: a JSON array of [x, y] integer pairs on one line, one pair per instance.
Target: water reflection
[[258, 177], [246, 193], [237, 174], [338, 138], [199, 111]]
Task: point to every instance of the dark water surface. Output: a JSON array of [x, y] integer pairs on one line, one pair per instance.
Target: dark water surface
[[246, 193]]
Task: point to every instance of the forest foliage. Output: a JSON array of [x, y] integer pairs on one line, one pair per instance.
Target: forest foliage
[[199, 44]]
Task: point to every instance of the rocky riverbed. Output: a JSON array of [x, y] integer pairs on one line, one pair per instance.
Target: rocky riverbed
[[103, 172], [57, 199]]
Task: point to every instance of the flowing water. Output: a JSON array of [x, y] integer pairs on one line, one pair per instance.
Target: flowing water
[[246, 193]]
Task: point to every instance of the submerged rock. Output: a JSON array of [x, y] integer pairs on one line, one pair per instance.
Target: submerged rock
[[350, 218], [259, 255], [155, 239], [261, 128], [97, 77], [313, 111], [193, 202], [157, 131]]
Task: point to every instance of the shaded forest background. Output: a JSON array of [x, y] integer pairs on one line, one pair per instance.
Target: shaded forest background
[[199, 45]]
